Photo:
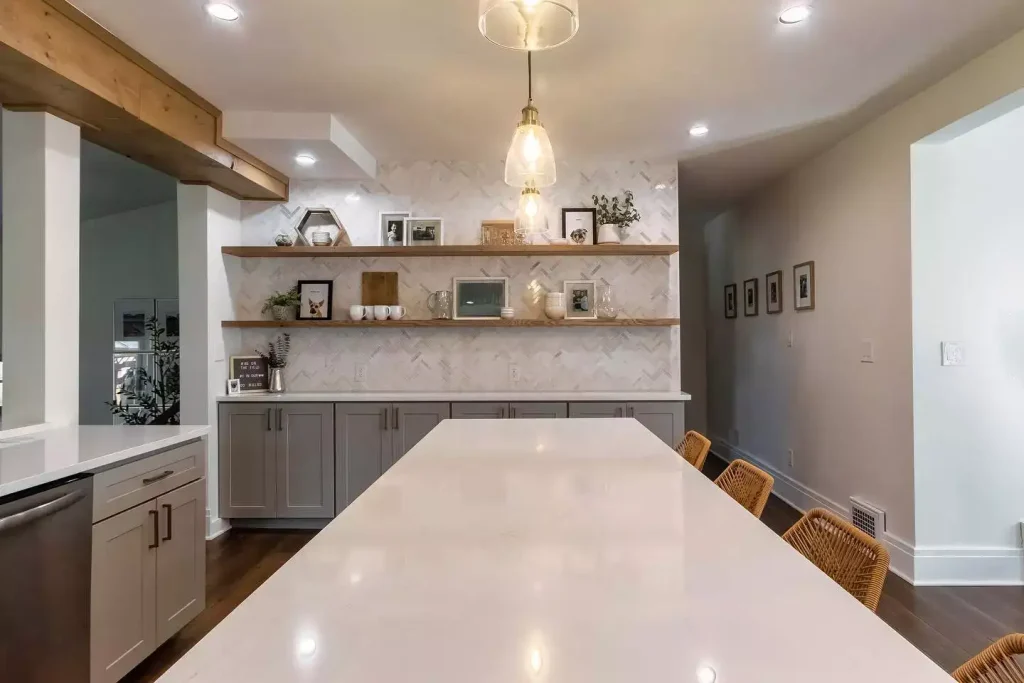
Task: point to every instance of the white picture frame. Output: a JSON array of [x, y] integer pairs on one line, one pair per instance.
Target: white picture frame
[[574, 299], [385, 219], [412, 225], [472, 310], [234, 387]]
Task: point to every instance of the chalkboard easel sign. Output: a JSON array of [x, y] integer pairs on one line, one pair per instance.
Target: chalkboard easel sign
[[251, 372]]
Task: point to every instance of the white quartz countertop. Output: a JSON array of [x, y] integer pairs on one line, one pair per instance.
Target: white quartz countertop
[[457, 396], [568, 551], [43, 457]]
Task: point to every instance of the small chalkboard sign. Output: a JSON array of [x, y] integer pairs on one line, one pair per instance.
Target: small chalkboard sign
[[251, 372]]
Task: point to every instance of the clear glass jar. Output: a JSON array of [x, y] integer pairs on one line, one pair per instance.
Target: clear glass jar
[[606, 309]]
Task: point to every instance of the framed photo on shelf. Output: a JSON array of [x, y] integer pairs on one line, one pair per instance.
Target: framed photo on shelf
[[750, 302], [773, 292], [498, 232], [424, 232], [316, 299], [579, 226], [479, 298], [803, 286], [234, 387], [730, 301], [391, 228], [580, 299]]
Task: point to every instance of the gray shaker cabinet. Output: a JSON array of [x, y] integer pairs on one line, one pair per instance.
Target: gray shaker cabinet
[[479, 411], [413, 421], [181, 558], [363, 448], [305, 460], [597, 409], [534, 411], [248, 460], [664, 419]]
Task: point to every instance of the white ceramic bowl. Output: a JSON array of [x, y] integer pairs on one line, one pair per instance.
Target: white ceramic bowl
[[555, 312]]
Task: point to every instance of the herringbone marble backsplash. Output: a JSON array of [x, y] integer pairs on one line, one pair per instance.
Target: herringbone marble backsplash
[[470, 359]]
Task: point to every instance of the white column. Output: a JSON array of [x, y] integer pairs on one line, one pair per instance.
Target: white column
[[41, 189], [207, 220]]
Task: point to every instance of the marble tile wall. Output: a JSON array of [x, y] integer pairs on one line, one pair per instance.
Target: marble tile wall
[[471, 359]]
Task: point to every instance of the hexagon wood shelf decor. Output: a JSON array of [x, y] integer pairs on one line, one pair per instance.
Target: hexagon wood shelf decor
[[302, 229]]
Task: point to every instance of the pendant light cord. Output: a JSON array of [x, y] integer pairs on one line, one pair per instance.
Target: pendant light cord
[[529, 74]]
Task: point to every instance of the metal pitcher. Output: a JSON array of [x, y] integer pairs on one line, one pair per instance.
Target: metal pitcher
[[440, 305]]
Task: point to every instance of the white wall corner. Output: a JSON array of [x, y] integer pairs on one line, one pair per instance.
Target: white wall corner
[[802, 498]]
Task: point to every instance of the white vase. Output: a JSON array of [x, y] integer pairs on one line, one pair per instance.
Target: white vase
[[609, 234]]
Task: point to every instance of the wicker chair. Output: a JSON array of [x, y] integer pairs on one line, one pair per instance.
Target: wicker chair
[[748, 485], [694, 449], [997, 663], [849, 556]]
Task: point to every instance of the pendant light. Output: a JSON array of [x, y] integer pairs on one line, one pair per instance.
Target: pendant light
[[531, 218], [531, 160], [530, 25]]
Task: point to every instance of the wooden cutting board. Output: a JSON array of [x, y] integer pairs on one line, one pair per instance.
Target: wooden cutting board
[[380, 289]]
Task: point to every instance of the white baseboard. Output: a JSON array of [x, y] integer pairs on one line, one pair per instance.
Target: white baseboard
[[802, 499], [215, 526], [942, 566]]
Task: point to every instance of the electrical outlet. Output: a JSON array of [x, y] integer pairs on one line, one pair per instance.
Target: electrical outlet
[[361, 373], [513, 373], [952, 353], [790, 458], [789, 341]]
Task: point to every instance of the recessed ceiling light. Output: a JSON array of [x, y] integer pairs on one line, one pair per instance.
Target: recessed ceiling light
[[352, 198], [706, 674], [699, 130], [305, 159], [222, 11], [795, 14]]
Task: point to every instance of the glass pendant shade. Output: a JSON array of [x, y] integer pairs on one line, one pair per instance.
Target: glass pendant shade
[[531, 159], [531, 216], [532, 25]]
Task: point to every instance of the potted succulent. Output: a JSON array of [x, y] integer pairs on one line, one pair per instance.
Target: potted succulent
[[276, 357], [614, 216], [283, 305]]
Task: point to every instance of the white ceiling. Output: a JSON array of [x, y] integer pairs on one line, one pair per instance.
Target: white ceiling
[[414, 79]]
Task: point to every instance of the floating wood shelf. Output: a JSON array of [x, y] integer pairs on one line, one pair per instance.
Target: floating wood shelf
[[457, 250], [315, 324]]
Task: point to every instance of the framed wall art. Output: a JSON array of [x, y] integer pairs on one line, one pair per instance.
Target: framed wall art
[[773, 292], [479, 298], [579, 226], [391, 228], [730, 301], [750, 302], [803, 286], [424, 232], [580, 299], [315, 299]]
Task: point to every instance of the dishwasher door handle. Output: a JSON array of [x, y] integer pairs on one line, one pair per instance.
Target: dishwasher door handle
[[20, 519]]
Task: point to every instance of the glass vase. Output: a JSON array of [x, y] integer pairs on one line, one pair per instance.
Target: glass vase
[[606, 309]]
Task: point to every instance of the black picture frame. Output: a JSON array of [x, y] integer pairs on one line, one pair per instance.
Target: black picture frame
[[305, 312], [751, 298], [593, 222], [731, 311], [773, 280]]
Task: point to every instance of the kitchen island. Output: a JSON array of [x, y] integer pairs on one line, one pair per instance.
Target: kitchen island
[[577, 551]]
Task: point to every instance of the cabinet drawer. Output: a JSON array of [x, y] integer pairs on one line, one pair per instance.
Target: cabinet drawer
[[132, 484]]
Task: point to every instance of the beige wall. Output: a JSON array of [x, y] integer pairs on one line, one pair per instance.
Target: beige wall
[[849, 423]]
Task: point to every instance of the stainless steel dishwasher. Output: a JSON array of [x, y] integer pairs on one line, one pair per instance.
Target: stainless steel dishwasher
[[45, 577]]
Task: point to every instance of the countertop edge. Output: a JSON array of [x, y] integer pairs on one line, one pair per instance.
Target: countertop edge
[[455, 397], [104, 462]]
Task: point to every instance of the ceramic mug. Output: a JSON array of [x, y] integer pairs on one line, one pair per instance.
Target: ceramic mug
[[381, 312], [369, 313], [397, 312], [356, 312]]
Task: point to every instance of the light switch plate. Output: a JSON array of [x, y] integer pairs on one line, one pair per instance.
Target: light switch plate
[[952, 353], [867, 351], [789, 341]]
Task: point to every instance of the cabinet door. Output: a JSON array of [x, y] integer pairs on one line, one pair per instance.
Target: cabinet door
[[597, 409], [123, 604], [665, 419], [305, 460], [248, 465], [362, 447], [533, 411], [479, 411], [413, 421], [181, 558]]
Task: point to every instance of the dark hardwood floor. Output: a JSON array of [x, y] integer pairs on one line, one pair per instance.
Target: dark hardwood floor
[[948, 624]]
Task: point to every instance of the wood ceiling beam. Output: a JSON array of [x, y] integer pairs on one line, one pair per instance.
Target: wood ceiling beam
[[55, 58]]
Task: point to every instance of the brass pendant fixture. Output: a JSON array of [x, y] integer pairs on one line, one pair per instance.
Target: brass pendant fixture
[[531, 159], [530, 25]]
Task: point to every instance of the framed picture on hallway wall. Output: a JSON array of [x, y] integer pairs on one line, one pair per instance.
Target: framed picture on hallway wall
[[773, 292], [803, 286], [750, 302], [730, 301]]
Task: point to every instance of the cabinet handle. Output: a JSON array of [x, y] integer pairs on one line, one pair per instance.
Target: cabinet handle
[[513, 413], [501, 413], [159, 477], [269, 428], [384, 417], [632, 412], [170, 512], [396, 417], [618, 412], [156, 529], [280, 414]]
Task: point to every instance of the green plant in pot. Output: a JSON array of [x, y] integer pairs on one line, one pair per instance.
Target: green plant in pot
[[276, 357], [614, 215], [283, 305]]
